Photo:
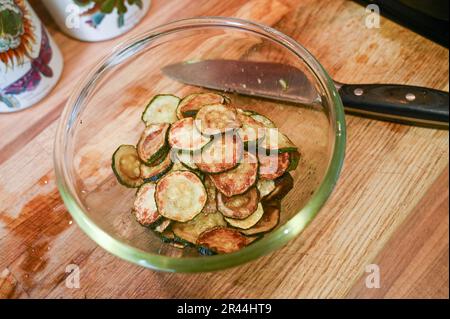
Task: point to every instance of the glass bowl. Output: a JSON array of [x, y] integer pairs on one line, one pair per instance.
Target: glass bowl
[[104, 111]]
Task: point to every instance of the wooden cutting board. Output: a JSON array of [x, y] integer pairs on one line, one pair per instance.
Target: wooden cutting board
[[390, 207]]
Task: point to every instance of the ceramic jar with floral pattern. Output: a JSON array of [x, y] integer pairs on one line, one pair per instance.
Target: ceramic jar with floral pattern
[[30, 62], [97, 20]]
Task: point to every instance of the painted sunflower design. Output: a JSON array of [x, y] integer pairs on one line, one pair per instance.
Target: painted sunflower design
[[16, 32]]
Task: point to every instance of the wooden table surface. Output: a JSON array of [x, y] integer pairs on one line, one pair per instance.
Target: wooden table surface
[[390, 207]]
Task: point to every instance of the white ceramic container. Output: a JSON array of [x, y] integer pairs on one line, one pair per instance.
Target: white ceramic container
[[87, 20]]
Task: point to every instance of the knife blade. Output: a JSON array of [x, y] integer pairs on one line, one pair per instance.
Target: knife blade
[[398, 103], [268, 80]]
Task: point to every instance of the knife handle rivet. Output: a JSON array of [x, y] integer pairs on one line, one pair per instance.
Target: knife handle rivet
[[358, 92], [410, 97]]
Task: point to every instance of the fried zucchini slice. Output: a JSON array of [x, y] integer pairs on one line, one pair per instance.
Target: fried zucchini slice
[[180, 196], [263, 120], [161, 109], [245, 112], [265, 187], [126, 166], [191, 104], [211, 203], [268, 221], [222, 154], [274, 140], [251, 131], [153, 173], [190, 230], [240, 179], [248, 222], [187, 159], [144, 206], [283, 186], [239, 206], [223, 240], [273, 166], [217, 119], [162, 225], [167, 236], [153, 143], [184, 135]]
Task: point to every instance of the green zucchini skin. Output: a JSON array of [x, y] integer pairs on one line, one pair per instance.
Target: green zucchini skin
[[294, 159], [120, 176]]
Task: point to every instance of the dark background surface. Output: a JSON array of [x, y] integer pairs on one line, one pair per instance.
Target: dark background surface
[[428, 18]]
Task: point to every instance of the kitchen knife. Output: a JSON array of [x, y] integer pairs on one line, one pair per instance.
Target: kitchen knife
[[398, 103]]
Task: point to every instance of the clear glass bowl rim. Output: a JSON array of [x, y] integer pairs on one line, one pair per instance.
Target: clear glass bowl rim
[[269, 242]]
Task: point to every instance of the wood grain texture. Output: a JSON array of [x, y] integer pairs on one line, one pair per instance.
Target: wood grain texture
[[390, 206], [416, 257]]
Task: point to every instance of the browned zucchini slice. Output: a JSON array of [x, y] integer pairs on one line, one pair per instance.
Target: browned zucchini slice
[[211, 203], [126, 166], [162, 225], [223, 240], [268, 221], [222, 154], [273, 166], [187, 159], [216, 119], [189, 106], [190, 231], [251, 130], [239, 206], [153, 173], [144, 207], [184, 135], [248, 222], [263, 120], [283, 186], [274, 140], [180, 196], [161, 109], [265, 187], [153, 142], [240, 179]]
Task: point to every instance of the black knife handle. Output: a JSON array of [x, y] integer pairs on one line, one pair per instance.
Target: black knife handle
[[399, 103]]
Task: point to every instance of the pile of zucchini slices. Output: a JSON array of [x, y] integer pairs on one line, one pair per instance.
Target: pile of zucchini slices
[[208, 174]]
